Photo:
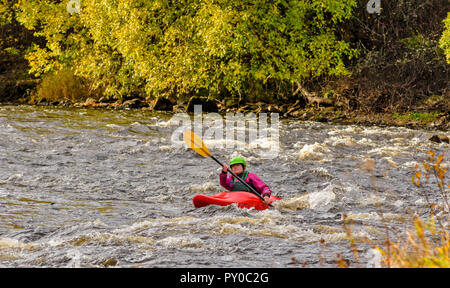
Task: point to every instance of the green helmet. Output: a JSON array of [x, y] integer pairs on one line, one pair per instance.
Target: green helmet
[[238, 160]]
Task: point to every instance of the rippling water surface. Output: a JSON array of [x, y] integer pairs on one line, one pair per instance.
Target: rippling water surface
[[87, 188]]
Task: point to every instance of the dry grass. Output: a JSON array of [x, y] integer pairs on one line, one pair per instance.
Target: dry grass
[[60, 86], [427, 245]]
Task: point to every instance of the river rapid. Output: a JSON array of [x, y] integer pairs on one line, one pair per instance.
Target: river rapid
[[95, 188]]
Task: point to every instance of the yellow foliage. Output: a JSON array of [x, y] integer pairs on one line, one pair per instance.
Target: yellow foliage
[[62, 85], [179, 47], [445, 39], [420, 252], [419, 249]]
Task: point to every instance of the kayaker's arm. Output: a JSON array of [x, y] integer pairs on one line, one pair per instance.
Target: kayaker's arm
[[224, 181], [260, 186], [225, 168]]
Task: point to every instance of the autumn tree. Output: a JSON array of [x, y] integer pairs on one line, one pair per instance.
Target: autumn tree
[[445, 40], [220, 47]]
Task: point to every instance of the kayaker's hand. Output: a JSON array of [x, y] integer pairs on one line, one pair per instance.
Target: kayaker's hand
[[225, 168], [267, 199]]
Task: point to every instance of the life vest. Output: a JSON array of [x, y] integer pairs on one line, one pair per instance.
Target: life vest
[[237, 185]]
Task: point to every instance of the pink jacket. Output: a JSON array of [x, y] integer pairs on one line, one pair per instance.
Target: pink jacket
[[252, 178]]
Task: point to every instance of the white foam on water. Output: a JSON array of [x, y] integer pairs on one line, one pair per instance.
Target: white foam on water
[[410, 164], [114, 126], [204, 188], [374, 258], [372, 199], [313, 151], [227, 258], [294, 203], [180, 242], [375, 216], [15, 177], [392, 151], [398, 203], [320, 171], [158, 198], [159, 222], [263, 148], [348, 129], [309, 236], [254, 227], [14, 244], [171, 122], [269, 213], [420, 202], [140, 128], [353, 129], [269, 143], [377, 131], [167, 148], [365, 142], [96, 238], [341, 141], [75, 258], [322, 200]]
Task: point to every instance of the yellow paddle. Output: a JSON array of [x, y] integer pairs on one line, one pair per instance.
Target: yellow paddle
[[196, 143]]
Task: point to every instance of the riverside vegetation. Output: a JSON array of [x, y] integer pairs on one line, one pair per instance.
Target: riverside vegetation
[[427, 243], [321, 60]]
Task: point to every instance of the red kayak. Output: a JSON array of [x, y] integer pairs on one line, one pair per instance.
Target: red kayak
[[243, 199]]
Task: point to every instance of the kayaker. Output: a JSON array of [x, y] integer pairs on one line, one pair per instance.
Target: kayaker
[[238, 166]]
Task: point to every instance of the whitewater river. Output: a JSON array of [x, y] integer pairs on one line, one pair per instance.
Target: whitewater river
[[89, 188]]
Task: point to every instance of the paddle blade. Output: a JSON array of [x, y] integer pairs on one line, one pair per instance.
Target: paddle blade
[[196, 143]]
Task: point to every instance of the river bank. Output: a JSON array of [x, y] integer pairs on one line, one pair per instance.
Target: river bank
[[17, 88], [426, 119]]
